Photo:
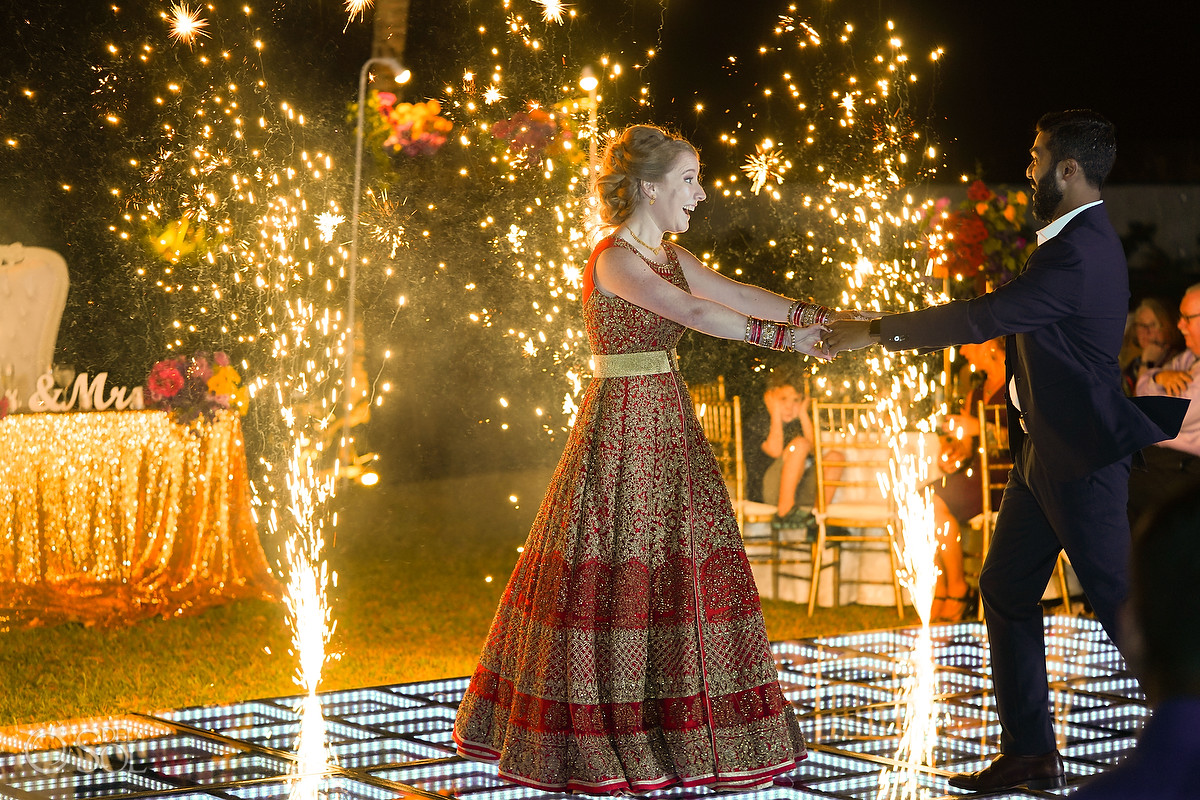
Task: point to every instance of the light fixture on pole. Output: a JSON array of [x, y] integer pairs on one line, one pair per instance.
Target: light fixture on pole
[[588, 82], [401, 75]]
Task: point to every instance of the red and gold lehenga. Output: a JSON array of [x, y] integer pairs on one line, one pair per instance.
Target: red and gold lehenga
[[629, 652]]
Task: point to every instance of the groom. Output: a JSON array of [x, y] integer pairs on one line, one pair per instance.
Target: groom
[[1072, 430]]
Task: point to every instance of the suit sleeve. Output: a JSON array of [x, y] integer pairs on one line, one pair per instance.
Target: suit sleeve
[[1050, 289]]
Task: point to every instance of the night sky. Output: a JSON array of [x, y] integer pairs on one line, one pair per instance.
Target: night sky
[[1005, 64]]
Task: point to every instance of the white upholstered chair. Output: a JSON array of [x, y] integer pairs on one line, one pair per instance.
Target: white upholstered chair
[[33, 294]]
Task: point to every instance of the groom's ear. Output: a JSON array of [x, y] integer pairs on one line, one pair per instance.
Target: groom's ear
[[1070, 169]]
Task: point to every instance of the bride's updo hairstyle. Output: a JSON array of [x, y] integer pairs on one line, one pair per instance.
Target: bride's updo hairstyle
[[640, 153]]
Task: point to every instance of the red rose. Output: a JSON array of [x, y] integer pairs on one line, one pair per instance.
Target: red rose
[[978, 192], [165, 379], [969, 229]]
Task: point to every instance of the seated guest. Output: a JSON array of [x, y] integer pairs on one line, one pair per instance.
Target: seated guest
[[1151, 340], [1172, 462], [1161, 626], [958, 494], [777, 442]]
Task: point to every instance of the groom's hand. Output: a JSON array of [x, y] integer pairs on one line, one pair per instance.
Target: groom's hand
[[848, 334]]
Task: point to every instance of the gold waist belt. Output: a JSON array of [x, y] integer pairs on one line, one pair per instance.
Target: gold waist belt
[[626, 365]]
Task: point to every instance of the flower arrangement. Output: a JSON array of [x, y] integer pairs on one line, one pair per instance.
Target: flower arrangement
[[195, 385], [532, 135], [986, 239], [417, 129]]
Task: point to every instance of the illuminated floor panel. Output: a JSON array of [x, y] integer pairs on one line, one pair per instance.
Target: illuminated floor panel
[[392, 741]]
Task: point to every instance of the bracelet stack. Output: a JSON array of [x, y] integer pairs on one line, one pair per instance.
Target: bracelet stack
[[768, 334], [805, 314]]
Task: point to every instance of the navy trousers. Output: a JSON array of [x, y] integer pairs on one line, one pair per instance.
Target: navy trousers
[[1040, 515]]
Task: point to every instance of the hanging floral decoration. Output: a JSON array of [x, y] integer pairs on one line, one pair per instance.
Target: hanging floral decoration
[[533, 135], [417, 129]]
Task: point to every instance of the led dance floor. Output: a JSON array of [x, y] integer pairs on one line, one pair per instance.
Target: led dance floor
[[393, 741]]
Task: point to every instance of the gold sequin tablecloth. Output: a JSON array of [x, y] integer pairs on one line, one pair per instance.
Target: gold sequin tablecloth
[[107, 518]]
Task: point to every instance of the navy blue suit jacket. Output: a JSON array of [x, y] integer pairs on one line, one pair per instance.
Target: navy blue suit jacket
[[1064, 317]]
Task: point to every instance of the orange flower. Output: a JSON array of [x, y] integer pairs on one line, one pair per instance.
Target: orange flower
[[224, 381], [240, 400]]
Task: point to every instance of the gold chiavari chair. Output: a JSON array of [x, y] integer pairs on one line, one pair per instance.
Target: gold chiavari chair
[[851, 443], [995, 462], [721, 421]]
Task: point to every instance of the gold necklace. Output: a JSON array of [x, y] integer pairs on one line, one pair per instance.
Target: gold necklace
[[651, 248]]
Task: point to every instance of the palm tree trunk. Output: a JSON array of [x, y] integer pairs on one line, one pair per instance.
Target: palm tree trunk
[[391, 29]]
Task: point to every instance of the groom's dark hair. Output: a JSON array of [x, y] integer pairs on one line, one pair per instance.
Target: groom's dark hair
[[1082, 135]]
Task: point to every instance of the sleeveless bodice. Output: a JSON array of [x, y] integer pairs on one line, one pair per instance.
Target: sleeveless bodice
[[615, 325]]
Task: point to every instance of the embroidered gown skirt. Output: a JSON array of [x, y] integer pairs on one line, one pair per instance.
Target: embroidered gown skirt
[[629, 653]]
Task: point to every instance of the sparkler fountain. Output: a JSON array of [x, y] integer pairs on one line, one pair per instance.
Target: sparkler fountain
[[265, 255], [861, 155]]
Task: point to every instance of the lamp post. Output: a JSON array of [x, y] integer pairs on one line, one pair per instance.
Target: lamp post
[[588, 82], [400, 76]]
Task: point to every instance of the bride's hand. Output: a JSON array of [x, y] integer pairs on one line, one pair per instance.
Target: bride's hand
[[809, 340]]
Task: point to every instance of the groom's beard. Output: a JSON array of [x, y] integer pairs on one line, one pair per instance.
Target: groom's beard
[[1046, 197]]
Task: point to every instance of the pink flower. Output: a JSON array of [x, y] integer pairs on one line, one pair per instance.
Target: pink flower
[[165, 379], [200, 368], [221, 359]]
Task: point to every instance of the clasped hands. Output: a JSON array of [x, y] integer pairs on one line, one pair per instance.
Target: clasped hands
[[846, 330]]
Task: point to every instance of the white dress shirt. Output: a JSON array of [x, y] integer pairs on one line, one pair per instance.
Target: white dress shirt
[[1044, 235]]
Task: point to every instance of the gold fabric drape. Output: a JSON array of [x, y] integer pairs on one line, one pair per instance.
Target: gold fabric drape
[[107, 518]]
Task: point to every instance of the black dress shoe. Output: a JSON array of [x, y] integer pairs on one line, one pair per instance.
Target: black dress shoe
[[1009, 772]]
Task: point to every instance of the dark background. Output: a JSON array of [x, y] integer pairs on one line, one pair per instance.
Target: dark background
[[1004, 65]]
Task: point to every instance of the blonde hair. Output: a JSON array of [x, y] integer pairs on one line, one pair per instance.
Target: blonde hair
[[640, 153]]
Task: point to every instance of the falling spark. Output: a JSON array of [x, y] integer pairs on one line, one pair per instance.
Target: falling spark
[[383, 222], [552, 10], [492, 95], [186, 24], [327, 223], [356, 8], [791, 24], [765, 165]]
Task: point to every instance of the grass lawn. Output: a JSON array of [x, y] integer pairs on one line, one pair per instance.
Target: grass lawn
[[412, 603]]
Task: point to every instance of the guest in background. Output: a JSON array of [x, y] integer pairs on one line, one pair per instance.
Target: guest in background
[[1162, 623], [958, 495], [777, 444], [1172, 462], [1151, 340]]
